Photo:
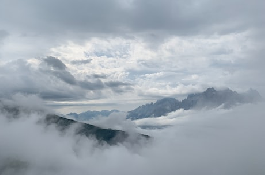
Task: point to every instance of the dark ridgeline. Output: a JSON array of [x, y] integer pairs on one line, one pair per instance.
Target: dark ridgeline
[[110, 136], [209, 99], [102, 135]]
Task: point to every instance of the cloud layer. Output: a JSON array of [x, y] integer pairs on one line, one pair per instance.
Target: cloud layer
[[213, 142], [163, 48], [170, 17], [51, 80]]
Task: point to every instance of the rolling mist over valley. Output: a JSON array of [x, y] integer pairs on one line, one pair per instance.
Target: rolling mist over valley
[[34, 141]]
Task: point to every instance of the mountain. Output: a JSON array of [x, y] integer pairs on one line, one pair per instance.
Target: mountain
[[209, 99], [109, 136], [84, 116], [161, 107], [212, 98]]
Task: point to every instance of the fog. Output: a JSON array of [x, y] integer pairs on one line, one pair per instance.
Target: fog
[[213, 142], [116, 120]]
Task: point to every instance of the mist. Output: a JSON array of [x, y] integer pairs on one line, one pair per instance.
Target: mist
[[198, 142]]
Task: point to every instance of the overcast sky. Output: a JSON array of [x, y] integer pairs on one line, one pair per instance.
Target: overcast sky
[[104, 54]]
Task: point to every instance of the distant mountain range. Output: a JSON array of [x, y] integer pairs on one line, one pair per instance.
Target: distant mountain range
[[84, 116], [209, 99]]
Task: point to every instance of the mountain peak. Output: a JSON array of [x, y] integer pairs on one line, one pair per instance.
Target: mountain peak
[[210, 98], [210, 90]]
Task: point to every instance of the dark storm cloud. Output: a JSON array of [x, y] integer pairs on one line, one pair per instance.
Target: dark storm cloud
[[55, 63], [81, 61]]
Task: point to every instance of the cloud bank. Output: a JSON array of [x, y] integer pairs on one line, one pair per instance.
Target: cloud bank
[[205, 142]]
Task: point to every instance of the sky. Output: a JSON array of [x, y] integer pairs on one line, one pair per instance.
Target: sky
[[118, 54]]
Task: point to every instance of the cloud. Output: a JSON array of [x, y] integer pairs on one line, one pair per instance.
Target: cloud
[[206, 142], [59, 70], [116, 120], [116, 84], [52, 80], [55, 63], [20, 76], [3, 34], [81, 61], [98, 85], [102, 76], [63, 95], [172, 17], [155, 23], [190, 43], [66, 76], [119, 87]]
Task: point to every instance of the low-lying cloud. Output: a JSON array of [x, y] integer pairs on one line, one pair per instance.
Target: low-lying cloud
[[203, 142]]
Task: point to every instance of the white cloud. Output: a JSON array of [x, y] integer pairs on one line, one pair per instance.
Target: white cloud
[[180, 65]]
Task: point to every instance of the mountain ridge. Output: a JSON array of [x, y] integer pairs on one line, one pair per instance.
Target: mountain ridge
[[110, 136], [102, 135], [210, 98], [87, 115]]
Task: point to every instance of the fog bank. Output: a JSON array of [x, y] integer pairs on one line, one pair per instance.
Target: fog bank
[[204, 142]]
